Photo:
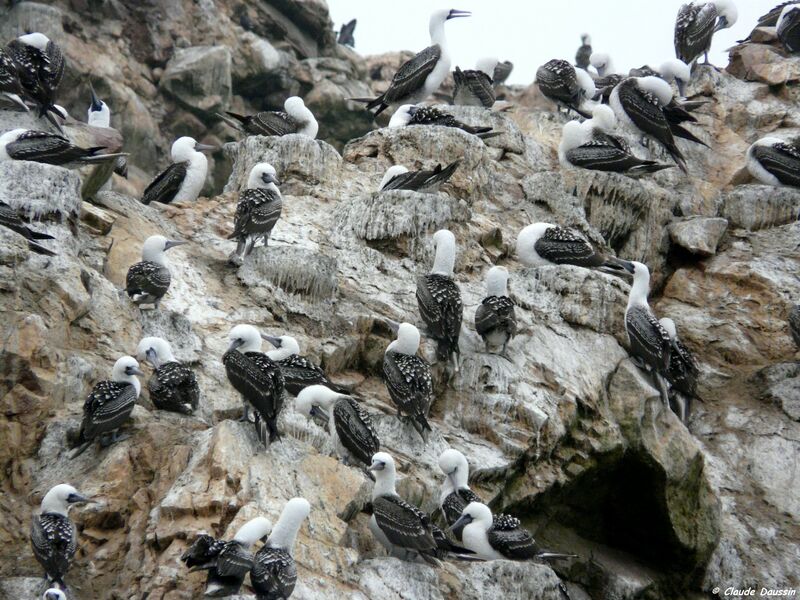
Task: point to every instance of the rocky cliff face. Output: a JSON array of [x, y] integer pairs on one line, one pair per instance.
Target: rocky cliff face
[[567, 434]]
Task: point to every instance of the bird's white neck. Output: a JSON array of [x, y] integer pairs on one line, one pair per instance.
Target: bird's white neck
[[639, 291], [384, 483], [157, 256], [445, 258], [280, 353], [436, 29], [285, 532]]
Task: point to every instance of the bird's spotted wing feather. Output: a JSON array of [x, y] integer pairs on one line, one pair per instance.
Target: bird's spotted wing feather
[[403, 524], [412, 74], [355, 429], [166, 185]]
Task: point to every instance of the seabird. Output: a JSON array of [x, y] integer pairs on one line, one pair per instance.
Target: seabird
[[584, 52], [420, 76], [398, 177], [501, 72], [499, 538], [604, 86], [10, 86], [590, 145], [354, 436], [794, 324], [774, 161], [274, 572], [650, 343], [48, 148], [346, 34], [439, 299], [99, 116], [259, 208], [788, 28], [40, 65], [109, 405], [54, 594], [409, 114], [696, 24], [256, 377], [298, 371], [602, 63], [148, 280], [475, 87], [10, 218], [408, 378], [638, 103], [183, 180], [227, 563], [682, 372], [54, 538], [545, 244], [495, 320], [294, 118], [172, 386], [456, 494], [565, 85]]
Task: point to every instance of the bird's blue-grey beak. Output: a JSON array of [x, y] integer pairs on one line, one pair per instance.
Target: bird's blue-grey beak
[[237, 343], [97, 105], [173, 243], [628, 266], [270, 178], [275, 341], [462, 521], [52, 595], [133, 371], [458, 13], [412, 110], [394, 326], [77, 498], [205, 148], [377, 466], [722, 23], [152, 357], [681, 87]]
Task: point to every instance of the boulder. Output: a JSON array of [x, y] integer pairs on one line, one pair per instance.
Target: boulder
[[699, 235], [199, 78]]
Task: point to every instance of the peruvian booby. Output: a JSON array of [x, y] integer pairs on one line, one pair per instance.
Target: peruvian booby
[[439, 299], [584, 52], [420, 76], [227, 563], [274, 572], [259, 208], [571, 88], [794, 324], [605, 85], [501, 72], [774, 161], [48, 148], [294, 118], [40, 66], [10, 86], [398, 177], [408, 378], [788, 28], [591, 145], [54, 538], [495, 320], [109, 405], [256, 377], [409, 114], [682, 372], [650, 344], [147, 281], [770, 19], [298, 371], [183, 180], [696, 24], [98, 119], [455, 494], [545, 244], [355, 438], [173, 386], [670, 70], [474, 87], [345, 37], [602, 63], [499, 538], [54, 594], [10, 218]]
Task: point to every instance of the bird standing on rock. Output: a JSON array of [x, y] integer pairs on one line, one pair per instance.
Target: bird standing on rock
[[495, 320], [40, 66], [49, 148], [259, 208], [173, 386], [696, 24], [147, 281], [183, 180], [294, 118], [298, 371]]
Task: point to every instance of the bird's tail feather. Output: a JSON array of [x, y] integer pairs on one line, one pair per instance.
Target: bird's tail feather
[[650, 166], [40, 236], [39, 249], [96, 158], [684, 133], [489, 134], [421, 424], [555, 556]]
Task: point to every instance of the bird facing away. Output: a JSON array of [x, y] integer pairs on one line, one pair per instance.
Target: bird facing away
[[354, 436], [696, 24], [173, 386], [40, 67], [398, 177], [183, 180], [10, 218], [408, 378], [256, 377], [571, 88], [274, 572], [409, 114], [298, 371], [788, 28], [259, 208], [495, 320], [109, 405], [420, 76], [602, 63], [147, 281], [227, 563], [54, 538], [545, 244], [682, 373], [54, 594], [294, 118], [48, 148], [474, 87], [774, 161], [439, 299], [345, 37], [584, 52], [10, 86]]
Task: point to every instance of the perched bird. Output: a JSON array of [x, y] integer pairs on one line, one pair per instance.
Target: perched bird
[[256, 377], [602, 63], [10, 86], [501, 72], [99, 116], [48, 148], [794, 324], [455, 494], [682, 372], [398, 177], [774, 161], [584, 52], [54, 594], [227, 563], [495, 320], [670, 70], [294, 118], [40, 66], [183, 180], [696, 24], [298, 371], [345, 37], [408, 378], [439, 299], [474, 87], [10, 218], [605, 85], [420, 76], [259, 208], [565, 85], [54, 538], [109, 406], [147, 281], [788, 28], [274, 572], [354, 436], [545, 244], [409, 114], [172, 386]]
